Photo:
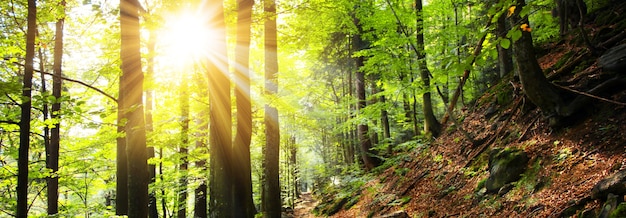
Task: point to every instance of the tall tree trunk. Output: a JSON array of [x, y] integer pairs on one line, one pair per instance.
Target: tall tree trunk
[[243, 173], [136, 150], [152, 206], [45, 110], [162, 178], [200, 208], [431, 124], [121, 173], [220, 116], [183, 148], [293, 162], [272, 201], [365, 143], [384, 120], [374, 89], [505, 63], [52, 160], [351, 108], [25, 106], [536, 87]]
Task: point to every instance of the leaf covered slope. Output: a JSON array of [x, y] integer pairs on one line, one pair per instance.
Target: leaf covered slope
[[446, 178]]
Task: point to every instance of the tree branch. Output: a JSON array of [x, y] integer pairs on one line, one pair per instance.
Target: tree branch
[[9, 122], [402, 27], [70, 80], [466, 73]]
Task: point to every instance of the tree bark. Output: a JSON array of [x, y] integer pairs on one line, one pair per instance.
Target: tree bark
[[183, 148], [25, 106], [152, 205], [431, 124], [220, 132], [384, 120], [200, 209], [272, 200], [136, 150], [293, 162], [52, 160], [121, 173], [243, 183], [505, 63], [45, 109], [365, 143], [536, 87]]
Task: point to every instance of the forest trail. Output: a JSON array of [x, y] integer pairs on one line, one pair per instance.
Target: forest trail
[[305, 206]]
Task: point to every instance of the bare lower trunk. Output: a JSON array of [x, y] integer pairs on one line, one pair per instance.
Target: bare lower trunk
[[55, 136], [431, 124], [241, 147], [536, 87], [25, 106], [136, 150], [272, 200]]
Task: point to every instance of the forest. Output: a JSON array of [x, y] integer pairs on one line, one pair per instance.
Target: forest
[[312, 108]]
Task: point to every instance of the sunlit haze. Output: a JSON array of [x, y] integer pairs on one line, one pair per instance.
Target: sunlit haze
[[183, 39]]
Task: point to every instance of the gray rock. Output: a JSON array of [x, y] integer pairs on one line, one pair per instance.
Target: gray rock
[[615, 184], [505, 166]]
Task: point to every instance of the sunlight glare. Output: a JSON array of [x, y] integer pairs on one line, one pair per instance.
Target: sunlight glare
[[184, 38]]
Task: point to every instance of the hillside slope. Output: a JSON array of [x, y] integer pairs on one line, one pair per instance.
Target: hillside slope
[[446, 178]]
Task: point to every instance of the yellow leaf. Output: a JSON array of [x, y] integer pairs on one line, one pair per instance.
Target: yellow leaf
[[511, 10], [526, 28]]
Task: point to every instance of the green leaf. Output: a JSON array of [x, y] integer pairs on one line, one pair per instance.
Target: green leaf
[[505, 43], [525, 11], [516, 34]]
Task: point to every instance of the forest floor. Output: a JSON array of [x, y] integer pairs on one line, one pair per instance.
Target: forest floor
[[305, 206], [441, 179]]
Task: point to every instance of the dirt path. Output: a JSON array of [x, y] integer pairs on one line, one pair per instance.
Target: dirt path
[[305, 206]]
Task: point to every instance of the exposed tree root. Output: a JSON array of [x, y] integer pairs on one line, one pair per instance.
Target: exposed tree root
[[569, 66], [583, 99]]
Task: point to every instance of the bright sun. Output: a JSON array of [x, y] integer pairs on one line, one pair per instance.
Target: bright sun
[[184, 38]]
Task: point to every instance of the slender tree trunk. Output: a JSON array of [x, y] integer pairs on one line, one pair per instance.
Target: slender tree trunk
[[152, 206], [374, 134], [384, 120], [431, 124], [505, 63], [351, 108], [200, 209], [362, 128], [243, 173], [293, 162], [136, 150], [163, 194], [183, 148], [220, 128], [121, 186], [55, 134], [45, 111], [365, 143], [272, 201], [414, 111], [25, 106]]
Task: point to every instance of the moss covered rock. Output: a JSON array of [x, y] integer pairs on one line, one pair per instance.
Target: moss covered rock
[[505, 166]]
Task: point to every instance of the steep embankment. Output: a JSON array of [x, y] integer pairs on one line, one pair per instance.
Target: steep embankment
[[447, 178]]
